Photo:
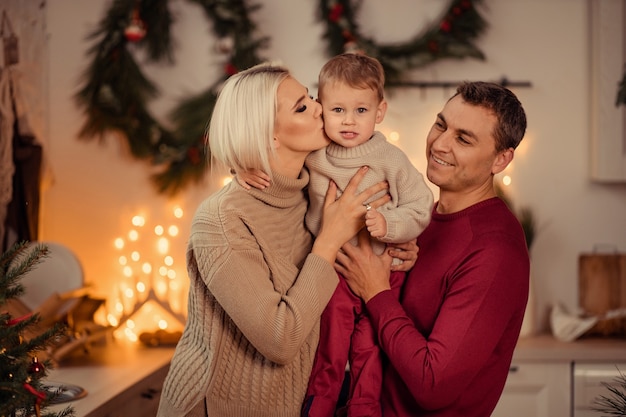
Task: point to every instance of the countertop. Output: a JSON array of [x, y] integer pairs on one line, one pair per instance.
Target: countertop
[[109, 370], [545, 348], [106, 371]]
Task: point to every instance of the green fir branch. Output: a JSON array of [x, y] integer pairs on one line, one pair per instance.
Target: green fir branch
[[115, 93], [614, 403], [18, 260]]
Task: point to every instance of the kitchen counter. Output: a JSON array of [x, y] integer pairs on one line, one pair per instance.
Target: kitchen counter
[[107, 371], [546, 348]]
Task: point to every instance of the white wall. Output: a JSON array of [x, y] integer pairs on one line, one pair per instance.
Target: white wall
[[97, 188]]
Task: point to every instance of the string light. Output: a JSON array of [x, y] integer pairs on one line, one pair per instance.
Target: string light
[[149, 279]]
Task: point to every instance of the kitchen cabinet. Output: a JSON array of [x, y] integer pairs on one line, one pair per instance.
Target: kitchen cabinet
[[558, 379], [138, 400], [547, 378], [537, 390], [589, 380]]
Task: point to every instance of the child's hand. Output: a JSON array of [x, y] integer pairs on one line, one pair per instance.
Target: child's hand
[[255, 178], [375, 223]]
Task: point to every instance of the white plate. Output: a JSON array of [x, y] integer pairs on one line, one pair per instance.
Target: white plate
[[65, 392]]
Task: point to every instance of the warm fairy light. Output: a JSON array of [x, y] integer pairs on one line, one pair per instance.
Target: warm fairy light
[[130, 335], [161, 287], [112, 320], [163, 245], [394, 136], [506, 180], [149, 280], [133, 235]]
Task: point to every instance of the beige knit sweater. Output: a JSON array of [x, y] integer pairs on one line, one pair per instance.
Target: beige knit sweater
[[256, 295], [407, 213]]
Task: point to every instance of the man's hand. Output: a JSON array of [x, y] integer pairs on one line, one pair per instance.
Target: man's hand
[[406, 252], [366, 273]]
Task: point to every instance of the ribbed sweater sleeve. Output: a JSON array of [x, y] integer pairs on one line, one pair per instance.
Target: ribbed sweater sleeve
[[450, 339], [256, 296]]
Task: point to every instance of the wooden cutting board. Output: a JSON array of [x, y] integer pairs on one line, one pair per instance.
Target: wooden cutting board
[[602, 287]]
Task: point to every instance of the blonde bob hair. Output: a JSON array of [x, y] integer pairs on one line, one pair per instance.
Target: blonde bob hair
[[241, 129]]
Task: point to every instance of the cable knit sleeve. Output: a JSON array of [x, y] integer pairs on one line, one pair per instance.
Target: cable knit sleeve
[[251, 271]]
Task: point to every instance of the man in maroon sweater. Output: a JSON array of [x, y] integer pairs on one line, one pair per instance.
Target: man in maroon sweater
[[450, 338]]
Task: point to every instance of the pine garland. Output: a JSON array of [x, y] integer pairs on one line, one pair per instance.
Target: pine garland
[[621, 92], [449, 37], [115, 92]]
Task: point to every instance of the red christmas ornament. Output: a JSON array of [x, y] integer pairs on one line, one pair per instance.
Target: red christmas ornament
[[335, 13], [230, 69], [348, 36], [136, 30], [445, 26], [36, 367], [433, 47], [193, 154]]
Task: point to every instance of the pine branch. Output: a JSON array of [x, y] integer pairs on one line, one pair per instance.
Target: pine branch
[[15, 262], [613, 404]]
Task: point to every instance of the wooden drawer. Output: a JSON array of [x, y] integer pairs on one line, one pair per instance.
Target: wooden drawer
[[140, 400]]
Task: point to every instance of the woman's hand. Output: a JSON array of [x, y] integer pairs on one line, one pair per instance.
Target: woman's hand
[[343, 217], [406, 252], [366, 273]]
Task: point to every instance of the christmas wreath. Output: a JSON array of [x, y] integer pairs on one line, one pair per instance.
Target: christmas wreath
[[115, 93], [449, 37]]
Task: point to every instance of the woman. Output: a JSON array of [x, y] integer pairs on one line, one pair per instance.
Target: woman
[[259, 282]]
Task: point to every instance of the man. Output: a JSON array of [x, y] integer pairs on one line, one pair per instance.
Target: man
[[450, 338]]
